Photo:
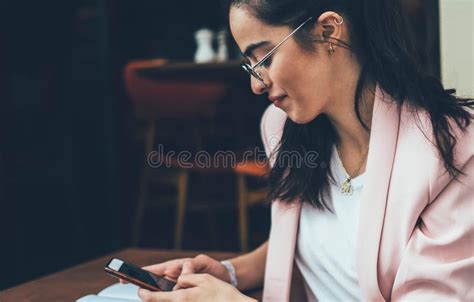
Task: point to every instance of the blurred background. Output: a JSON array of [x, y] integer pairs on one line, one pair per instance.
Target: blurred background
[[89, 88]]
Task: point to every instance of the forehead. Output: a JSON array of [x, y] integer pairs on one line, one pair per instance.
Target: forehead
[[247, 29]]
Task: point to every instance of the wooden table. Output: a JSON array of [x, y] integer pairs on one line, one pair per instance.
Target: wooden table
[[90, 278]]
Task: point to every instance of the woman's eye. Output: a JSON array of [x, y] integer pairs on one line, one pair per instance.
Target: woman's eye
[[267, 62]]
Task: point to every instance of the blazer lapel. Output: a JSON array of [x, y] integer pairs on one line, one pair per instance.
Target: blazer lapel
[[382, 147], [281, 251]]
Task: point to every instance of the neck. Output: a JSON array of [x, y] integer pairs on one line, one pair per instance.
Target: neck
[[352, 134]]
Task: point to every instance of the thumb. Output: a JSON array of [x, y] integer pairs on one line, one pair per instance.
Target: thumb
[[189, 267], [193, 280]]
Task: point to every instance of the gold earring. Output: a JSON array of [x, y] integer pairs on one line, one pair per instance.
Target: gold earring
[[331, 48]]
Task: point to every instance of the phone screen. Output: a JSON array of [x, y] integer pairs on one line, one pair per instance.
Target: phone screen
[[141, 274]]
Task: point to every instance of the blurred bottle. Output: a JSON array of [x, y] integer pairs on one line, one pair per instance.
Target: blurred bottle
[[222, 52]]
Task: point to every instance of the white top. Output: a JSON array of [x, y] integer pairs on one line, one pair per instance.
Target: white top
[[326, 247]]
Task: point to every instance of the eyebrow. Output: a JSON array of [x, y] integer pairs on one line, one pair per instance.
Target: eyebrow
[[250, 49]]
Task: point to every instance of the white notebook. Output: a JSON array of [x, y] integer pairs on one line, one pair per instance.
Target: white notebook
[[117, 292]]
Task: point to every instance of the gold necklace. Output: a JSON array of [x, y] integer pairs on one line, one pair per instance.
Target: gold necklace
[[346, 187]]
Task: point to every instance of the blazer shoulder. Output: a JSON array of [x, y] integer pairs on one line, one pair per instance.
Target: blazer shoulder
[[416, 134], [271, 128], [464, 136]]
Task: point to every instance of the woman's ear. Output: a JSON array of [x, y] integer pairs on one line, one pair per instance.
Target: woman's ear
[[329, 26]]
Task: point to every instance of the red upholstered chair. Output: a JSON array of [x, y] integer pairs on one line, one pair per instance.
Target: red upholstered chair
[[176, 111]]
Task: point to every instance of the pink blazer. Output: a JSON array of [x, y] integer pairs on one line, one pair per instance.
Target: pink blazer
[[416, 226]]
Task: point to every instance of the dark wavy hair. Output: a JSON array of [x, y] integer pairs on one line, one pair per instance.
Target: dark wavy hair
[[382, 44]]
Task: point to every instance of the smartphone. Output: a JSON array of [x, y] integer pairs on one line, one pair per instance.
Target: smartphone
[[138, 276]]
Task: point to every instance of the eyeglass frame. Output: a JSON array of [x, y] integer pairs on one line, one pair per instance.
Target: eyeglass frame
[[251, 69]]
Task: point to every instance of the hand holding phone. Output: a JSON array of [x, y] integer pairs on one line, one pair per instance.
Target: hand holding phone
[[201, 264], [138, 276]]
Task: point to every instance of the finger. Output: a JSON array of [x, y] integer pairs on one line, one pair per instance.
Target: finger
[[164, 265], [170, 268], [189, 267], [122, 281], [158, 269], [204, 262], [193, 280], [199, 264], [174, 270]]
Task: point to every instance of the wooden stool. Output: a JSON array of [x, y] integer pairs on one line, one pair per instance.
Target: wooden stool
[[247, 197]]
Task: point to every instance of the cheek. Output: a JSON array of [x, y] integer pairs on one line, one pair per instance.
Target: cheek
[[308, 90], [292, 72], [318, 81], [286, 77]]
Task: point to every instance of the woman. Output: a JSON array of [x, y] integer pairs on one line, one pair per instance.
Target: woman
[[385, 211]]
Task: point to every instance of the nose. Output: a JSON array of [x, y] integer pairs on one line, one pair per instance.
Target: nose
[[257, 87]]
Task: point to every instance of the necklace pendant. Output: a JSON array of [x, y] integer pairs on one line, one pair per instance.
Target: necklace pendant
[[346, 187]]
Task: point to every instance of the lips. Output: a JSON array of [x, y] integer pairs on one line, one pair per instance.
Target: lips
[[276, 100]]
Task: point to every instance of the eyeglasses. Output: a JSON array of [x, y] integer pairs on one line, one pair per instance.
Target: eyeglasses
[[255, 70]]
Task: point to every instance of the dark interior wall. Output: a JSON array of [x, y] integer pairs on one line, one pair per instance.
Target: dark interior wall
[[65, 179], [54, 147]]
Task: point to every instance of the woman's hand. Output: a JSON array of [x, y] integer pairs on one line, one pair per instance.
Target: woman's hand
[[197, 288], [173, 269], [200, 264]]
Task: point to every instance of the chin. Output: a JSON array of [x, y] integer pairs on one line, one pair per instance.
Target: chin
[[300, 117]]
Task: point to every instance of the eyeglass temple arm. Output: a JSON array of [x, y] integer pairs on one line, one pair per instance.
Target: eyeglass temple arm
[[279, 44]]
